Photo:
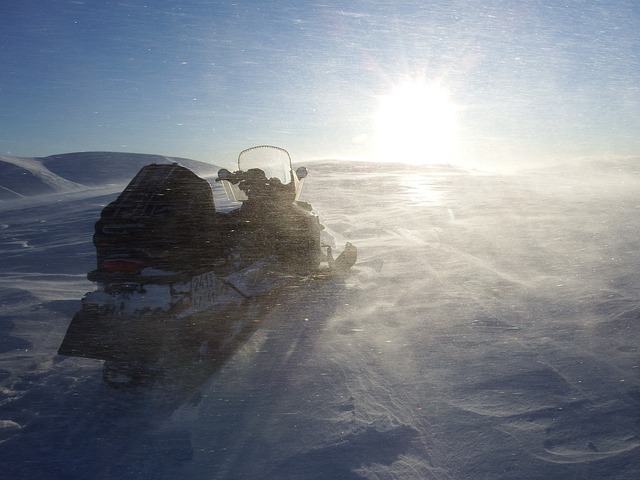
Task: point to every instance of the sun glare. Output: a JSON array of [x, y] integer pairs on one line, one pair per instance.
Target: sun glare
[[415, 123]]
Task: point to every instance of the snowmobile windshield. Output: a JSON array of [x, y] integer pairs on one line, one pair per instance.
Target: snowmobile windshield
[[275, 162]]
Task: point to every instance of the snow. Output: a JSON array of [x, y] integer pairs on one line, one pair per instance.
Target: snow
[[489, 330]]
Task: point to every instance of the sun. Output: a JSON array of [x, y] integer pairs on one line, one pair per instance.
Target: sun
[[415, 123]]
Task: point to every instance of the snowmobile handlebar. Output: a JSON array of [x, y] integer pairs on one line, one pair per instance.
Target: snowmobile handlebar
[[232, 177], [253, 174]]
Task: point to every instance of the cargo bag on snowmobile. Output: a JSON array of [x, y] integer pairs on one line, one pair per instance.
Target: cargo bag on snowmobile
[[165, 218]]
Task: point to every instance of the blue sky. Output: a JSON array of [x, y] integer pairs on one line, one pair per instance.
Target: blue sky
[[530, 81]]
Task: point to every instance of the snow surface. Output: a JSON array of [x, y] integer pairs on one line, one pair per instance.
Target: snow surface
[[489, 330]]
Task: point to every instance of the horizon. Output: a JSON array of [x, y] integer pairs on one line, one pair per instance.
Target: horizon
[[92, 167]]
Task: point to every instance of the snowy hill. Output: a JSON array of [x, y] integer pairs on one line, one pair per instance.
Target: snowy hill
[[26, 177]]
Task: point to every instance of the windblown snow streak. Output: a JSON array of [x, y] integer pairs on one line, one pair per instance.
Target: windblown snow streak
[[489, 330]]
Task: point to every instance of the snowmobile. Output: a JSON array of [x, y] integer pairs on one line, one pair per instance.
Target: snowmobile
[[181, 280]]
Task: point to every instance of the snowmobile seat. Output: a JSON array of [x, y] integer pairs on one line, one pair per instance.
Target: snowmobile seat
[[165, 217]]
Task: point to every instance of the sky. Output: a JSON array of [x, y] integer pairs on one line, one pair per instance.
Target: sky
[[475, 81]]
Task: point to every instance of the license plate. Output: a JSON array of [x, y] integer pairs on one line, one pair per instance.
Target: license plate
[[202, 291]]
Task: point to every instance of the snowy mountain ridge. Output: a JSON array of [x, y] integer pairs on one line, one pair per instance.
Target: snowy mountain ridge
[[26, 177]]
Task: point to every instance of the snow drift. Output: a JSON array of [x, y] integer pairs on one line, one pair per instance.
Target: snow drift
[[489, 330]]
